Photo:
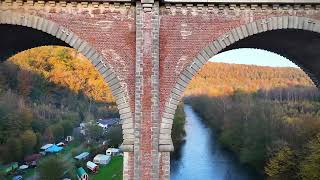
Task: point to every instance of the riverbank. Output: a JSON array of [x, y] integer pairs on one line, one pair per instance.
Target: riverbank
[[277, 138], [178, 130], [201, 156]]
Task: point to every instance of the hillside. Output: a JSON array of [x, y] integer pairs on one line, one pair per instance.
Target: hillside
[[44, 93], [218, 79], [64, 67], [267, 117]]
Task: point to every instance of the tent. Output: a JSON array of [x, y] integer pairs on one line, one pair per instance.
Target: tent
[[44, 147], [82, 174], [102, 159], [82, 156], [54, 149]]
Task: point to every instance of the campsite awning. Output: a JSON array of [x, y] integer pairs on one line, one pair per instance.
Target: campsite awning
[[54, 149]]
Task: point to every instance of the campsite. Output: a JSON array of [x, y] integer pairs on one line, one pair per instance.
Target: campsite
[[82, 158], [106, 165]]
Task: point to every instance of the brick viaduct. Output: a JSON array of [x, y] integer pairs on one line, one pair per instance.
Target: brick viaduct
[[148, 51]]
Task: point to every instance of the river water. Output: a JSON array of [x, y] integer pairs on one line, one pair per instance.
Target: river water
[[201, 157]]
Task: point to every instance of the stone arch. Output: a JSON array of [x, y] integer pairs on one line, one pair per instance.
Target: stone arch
[[219, 45], [94, 56]]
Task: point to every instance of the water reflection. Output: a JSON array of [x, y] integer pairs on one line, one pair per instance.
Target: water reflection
[[201, 158]]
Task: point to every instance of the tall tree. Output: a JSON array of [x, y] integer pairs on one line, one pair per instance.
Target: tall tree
[[15, 148], [93, 131], [51, 168], [58, 132], [282, 165], [24, 82], [114, 136], [29, 140], [310, 166], [48, 135]]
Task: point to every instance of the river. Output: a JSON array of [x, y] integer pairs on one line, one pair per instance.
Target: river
[[201, 157]]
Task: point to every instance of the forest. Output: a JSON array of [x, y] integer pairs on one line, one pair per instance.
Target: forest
[[44, 93], [47, 91], [268, 117], [220, 79]]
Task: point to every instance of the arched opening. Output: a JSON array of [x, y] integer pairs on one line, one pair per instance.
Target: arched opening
[[13, 40], [21, 34], [251, 57], [217, 100], [299, 44]]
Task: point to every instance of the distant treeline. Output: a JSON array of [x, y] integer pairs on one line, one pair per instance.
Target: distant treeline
[[220, 79], [44, 93]]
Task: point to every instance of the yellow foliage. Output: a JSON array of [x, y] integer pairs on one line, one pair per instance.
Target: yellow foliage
[[218, 79], [66, 67]]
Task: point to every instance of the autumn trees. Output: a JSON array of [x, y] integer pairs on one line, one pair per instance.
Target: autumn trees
[[44, 93], [277, 138], [61, 66], [52, 168], [219, 79], [269, 117], [309, 167]]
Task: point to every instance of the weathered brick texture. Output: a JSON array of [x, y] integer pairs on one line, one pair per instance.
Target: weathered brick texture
[[147, 119], [148, 53], [109, 29]]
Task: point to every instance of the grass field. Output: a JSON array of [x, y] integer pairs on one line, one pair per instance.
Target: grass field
[[112, 171]]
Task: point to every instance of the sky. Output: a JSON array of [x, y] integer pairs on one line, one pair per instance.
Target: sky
[[253, 57]]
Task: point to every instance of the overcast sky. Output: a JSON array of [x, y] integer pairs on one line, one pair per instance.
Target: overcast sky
[[253, 56]]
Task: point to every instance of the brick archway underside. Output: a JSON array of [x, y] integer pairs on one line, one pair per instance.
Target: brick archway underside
[[296, 38], [41, 31]]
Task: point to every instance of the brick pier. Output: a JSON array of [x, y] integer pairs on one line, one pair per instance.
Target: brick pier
[[148, 51]]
